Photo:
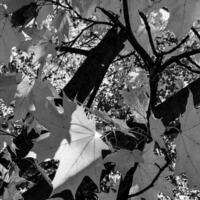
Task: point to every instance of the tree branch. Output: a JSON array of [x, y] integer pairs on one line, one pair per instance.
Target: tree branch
[[141, 51], [174, 59], [126, 15], [148, 28], [72, 42], [130, 36], [67, 49]]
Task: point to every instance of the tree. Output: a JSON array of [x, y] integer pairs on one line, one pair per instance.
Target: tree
[[112, 128]]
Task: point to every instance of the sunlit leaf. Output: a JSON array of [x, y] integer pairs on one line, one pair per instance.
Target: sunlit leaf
[[82, 156]]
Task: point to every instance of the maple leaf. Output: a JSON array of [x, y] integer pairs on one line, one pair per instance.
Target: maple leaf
[[188, 145], [9, 36], [82, 157], [146, 172], [48, 115], [124, 160], [61, 23], [157, 130]]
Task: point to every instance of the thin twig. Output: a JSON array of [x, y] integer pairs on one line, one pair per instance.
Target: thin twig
[[77, 37], [67, 49], [121, 57]]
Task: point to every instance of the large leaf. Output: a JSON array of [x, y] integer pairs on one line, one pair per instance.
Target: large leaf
[[48, 115], [10, 37], [146, 172], [188, 145], [81, 157]]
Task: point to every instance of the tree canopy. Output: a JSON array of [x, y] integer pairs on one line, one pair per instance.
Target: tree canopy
[[99, 99]]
